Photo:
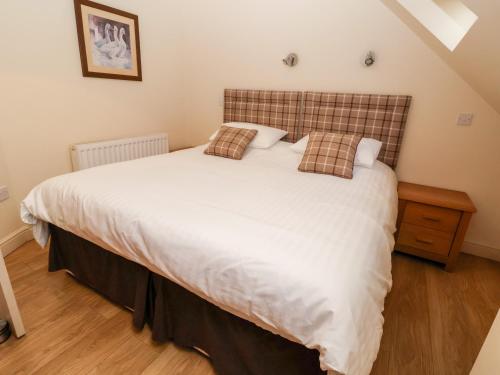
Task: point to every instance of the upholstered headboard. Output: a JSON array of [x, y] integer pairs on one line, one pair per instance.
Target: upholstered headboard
[[381, 117], [277, 109]]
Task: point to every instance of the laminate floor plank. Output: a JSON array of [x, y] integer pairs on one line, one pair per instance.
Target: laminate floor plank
[[122, 362], [178, 361], [93, 348], [460, 308], [435, 323], [406, 323], [60, 335]]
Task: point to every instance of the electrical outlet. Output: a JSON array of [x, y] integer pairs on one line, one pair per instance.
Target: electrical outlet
[[4, 193], [465, 119]]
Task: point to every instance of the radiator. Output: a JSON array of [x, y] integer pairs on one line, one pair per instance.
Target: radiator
[[90, 155]]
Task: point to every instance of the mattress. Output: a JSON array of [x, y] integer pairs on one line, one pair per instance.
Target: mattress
[[305, 256]]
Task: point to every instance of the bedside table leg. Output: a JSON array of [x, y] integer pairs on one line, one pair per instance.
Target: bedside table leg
[[458, 241]]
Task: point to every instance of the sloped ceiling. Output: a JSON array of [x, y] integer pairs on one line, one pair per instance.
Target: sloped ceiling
[[477, 57]]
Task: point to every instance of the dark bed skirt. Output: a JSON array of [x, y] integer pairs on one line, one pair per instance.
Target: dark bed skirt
[[235, 346]]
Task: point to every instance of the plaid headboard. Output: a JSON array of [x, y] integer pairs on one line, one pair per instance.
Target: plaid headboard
[[277, 109], [381, 117]]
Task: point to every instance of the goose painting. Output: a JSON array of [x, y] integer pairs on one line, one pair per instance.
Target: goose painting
[[109, 41], [110, 49]]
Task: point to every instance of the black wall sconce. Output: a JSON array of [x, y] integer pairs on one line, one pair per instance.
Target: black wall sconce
[[291, 60], [369, 59]]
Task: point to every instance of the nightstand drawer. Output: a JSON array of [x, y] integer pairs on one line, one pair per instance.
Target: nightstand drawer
[[430, 240], [442, 219]]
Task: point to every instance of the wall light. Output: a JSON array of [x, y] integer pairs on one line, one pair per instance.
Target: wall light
[[291, 60]]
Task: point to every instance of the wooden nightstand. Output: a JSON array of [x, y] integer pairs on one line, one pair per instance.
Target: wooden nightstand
[[432, 222]]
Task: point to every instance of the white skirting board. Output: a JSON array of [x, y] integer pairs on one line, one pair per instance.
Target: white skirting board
[[481, 251], [14, 240]]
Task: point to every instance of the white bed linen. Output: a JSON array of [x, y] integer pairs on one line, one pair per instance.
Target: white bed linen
[[303, 255]]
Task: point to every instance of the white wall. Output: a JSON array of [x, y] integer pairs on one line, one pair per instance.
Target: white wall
[[8, 209], [46, 105], [240, 44]]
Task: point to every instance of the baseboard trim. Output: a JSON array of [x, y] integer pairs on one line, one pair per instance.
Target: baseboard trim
[[14, 240], [481, 251]]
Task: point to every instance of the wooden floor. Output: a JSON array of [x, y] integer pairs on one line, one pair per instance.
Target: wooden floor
[[435, 323]]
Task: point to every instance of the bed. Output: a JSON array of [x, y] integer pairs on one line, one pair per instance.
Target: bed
[[265, 269]]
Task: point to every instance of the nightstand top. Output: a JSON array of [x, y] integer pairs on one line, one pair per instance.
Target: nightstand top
[[456, 200]]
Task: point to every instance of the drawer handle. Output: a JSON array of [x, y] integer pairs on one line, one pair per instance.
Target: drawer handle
[[433, 219], [424, 240]]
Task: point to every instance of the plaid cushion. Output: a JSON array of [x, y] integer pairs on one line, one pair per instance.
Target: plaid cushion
[[330, 153], [231, 142]]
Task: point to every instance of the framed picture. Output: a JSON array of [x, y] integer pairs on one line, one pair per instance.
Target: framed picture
[[109, 41]]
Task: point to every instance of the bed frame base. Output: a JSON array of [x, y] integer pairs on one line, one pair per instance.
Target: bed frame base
[[234, 345]]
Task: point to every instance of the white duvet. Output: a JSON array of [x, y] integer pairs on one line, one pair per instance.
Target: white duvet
[[303, 255]]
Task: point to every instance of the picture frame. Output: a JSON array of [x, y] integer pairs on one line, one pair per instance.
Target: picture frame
[[108, 40]]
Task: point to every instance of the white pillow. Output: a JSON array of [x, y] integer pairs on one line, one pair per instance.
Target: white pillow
[[265, 138], [366, 154], [301, 145]]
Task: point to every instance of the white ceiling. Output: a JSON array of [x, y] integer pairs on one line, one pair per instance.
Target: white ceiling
[[477, 57]]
